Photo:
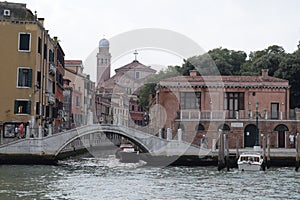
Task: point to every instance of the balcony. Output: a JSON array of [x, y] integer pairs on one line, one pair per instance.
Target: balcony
[[195, 115], [52, 69]]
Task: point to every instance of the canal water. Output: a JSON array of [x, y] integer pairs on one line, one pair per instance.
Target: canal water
[[106, 178]]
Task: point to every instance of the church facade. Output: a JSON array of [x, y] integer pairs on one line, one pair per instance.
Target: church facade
[[114, 93]]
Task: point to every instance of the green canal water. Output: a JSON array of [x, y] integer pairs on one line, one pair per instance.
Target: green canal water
[[106, 178]]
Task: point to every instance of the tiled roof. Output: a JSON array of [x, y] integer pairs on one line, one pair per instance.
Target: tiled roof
[[134, 64], [224, 81]]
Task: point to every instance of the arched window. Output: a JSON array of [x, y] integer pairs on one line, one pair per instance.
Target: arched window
[[199, 127], [281, 127]]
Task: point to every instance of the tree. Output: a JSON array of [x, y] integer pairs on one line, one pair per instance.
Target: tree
[[150, 84]]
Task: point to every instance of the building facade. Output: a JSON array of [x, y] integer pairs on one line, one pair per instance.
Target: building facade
[[83, 98], [29, 63], [243, 107], [115, 95]]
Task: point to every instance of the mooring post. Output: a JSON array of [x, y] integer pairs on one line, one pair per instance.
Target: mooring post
[[221, 161], [237, 142], [264, 153], [227, 152], [297, 152], [268, 153]]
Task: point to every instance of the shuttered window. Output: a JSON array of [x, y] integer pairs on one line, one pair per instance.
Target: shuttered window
[[24, 77]]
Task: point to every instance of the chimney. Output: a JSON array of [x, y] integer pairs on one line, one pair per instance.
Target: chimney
[[264, 73], [193, 73], [41, 20]]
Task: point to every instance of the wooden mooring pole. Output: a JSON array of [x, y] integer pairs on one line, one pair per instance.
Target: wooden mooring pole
[[221, 160], [264, 154], [268, 152], [297, 152], [237, 154], [227, 152]]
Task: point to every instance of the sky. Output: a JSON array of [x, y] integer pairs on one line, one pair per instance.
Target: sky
[[247, 25]]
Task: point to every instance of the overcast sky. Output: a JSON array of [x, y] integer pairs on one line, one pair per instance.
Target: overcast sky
[[247, 25]]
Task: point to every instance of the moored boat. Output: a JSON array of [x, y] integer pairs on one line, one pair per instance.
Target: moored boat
[[251, 161], [127, 154]]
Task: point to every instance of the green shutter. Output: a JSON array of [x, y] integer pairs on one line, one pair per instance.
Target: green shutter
[[16, 107], [20, 78], [29, 84], [28, 107]]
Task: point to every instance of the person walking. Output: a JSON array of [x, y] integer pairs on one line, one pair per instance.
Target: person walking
[[292, 140]]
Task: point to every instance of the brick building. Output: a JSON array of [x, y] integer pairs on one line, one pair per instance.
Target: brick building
[[237, 105]]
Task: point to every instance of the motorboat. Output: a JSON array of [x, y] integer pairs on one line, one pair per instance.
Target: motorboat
[[251, 161], [127, 154]]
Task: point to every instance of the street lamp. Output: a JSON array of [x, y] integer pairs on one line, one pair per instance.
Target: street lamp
[[257, 130]]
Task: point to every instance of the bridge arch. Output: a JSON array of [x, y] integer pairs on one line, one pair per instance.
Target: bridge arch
[[103, 129]]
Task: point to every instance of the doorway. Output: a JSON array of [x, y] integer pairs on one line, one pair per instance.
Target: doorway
[[249, 135], [281, 139]]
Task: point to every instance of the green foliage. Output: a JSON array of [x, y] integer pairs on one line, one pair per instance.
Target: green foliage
[[222, 61], [148, 91]]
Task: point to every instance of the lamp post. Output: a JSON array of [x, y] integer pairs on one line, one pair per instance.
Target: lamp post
[[257, 130]]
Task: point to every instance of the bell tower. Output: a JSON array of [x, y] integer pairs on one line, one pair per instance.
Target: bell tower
[[103, 61]]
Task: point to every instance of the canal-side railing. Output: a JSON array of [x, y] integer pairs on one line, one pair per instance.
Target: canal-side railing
[[232, 115]]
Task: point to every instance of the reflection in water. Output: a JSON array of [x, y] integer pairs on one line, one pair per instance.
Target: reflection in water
[[106, 178]]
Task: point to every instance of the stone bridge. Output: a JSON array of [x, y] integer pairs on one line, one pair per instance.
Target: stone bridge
[[51, 146]]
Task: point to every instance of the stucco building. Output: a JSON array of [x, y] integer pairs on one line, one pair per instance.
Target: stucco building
[[203, 106], [29, 58], [82, 91]]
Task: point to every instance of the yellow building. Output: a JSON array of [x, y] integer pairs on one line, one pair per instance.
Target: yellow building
[[28, 70]]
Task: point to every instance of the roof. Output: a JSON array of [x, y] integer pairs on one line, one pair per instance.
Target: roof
[[73, 62], [223, 81], [135, 64]]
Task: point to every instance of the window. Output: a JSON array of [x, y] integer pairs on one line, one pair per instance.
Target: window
[[45, 51], [77, 101], [37, 107], [40, 45], [24, 42], [234, 101], [51, 86], [190, 100], [22, 107], [137, 75], [51, 56], [274, 110], [24, 77]]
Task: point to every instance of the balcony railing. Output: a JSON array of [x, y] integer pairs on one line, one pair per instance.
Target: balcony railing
[[231, 115]]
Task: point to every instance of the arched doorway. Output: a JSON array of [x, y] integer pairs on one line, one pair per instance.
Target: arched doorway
[[249, 135], [281, 129], [199, 127]]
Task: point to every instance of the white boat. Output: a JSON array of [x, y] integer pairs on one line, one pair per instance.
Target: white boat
[[127, 154], [250, 161]]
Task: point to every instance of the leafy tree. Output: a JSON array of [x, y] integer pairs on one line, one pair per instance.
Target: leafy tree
[[149, 87]]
